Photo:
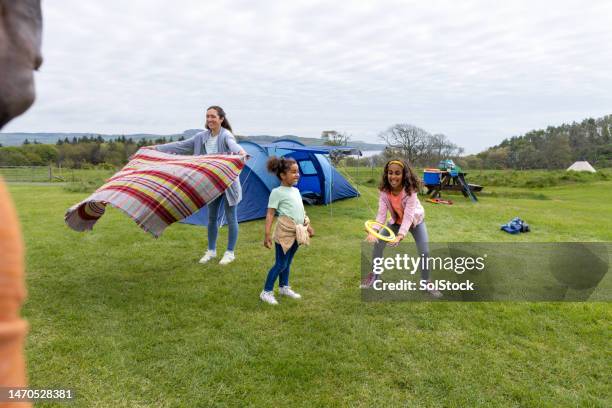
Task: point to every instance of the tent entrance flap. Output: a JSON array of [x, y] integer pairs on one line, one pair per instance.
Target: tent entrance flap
[[311, 183]]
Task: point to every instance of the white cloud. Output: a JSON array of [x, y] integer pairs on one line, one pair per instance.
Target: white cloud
[[477, 71]]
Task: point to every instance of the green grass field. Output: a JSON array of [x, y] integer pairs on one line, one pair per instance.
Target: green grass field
[[130, 321]]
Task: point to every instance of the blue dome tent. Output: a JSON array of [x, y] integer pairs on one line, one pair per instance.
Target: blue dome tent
[[320, 182]]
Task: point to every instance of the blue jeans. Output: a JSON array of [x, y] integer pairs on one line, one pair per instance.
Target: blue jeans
[[281, 267], [231, 214], [419, 233]]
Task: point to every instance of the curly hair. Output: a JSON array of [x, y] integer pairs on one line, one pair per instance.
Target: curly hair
[[278, 165], [410, 182]]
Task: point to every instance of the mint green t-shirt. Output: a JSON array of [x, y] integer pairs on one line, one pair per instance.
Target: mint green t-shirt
[[287, 201]]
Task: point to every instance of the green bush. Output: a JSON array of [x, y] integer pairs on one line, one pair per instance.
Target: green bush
[[106, 166]]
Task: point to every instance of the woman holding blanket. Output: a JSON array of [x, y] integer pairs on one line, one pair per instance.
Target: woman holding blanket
[[216, 139], [398, 196], [292, 228]]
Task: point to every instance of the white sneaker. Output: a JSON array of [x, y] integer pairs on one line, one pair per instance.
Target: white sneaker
[[227, 258], [208, 256], [434, 293], [286, 291], [268, 297]]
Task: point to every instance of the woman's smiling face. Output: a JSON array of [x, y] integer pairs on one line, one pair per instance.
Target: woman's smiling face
[[213, 121]]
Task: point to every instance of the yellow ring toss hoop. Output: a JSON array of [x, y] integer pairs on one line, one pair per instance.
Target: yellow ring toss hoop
[[369, 226]]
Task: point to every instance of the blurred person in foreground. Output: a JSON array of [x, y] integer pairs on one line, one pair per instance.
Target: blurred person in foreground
[[20, 41]]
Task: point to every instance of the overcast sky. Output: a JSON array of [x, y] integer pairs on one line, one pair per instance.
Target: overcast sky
[[477, 71]]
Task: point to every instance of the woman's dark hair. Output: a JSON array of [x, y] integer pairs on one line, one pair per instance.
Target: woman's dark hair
[[278, 165], [409, 180], [221, 114]]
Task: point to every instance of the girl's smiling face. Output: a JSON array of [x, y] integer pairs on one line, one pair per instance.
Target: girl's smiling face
[[291, 176], [395, 176]]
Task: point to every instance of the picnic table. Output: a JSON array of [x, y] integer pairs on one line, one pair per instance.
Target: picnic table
[[437, 180]]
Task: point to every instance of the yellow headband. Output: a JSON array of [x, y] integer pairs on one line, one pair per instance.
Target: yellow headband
[[396, 162]]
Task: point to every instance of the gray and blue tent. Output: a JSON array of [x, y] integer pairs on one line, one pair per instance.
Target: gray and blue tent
[[320, 182]]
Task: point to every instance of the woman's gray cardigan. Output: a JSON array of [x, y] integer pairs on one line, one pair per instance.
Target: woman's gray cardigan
[[226, 143]]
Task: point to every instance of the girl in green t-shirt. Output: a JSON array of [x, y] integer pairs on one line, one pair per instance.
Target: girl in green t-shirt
[[285, 200]]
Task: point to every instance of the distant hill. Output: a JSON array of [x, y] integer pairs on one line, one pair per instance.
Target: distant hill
[[17, 139], [555, 147]]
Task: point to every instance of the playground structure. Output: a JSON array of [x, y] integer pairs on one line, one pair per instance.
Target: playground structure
[[448, 176]]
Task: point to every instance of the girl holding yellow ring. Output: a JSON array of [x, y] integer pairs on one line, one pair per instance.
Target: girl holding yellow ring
[[398, 196]]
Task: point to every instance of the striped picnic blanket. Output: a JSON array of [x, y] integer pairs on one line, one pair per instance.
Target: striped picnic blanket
[[157, 189]]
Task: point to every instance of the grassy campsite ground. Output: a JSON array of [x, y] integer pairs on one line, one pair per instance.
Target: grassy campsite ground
[[130, 321]]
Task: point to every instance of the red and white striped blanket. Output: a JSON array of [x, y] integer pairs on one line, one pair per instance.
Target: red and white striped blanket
[[157, 189]]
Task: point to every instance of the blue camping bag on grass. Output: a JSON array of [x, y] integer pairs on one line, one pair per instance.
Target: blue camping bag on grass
[[515, 226]]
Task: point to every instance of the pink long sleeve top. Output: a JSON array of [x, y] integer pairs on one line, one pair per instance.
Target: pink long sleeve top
[[414, 213]]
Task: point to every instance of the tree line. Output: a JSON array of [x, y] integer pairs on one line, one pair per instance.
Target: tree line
[[416, 145], [551, 148], [76, 152]]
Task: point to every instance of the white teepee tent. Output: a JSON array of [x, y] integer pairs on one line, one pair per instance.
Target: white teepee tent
[[582, 166]]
